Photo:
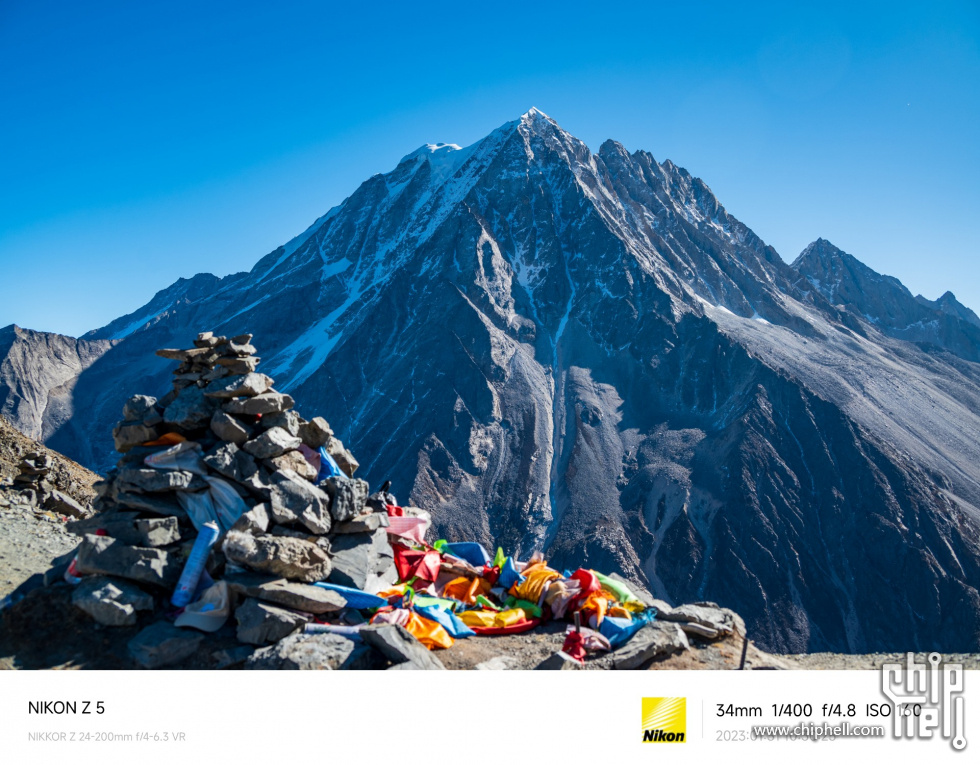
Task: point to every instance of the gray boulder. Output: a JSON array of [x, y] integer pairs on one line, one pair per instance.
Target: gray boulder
[[190, 410], [271, 443], [294, 500], [311, 652], [295, 462], [347, 496], [560, 660], [105, 555], [158, 481], [251, 384], [227, 428], [112, 602], [160, 504], [364, 561], [399, 646], [316, 433], [342, 456], [721, 621], [130, 529], [157, 532], [266, 403], [255, 521], [138, 408], [162, 644], [362, 523], [126, 435], [231, 462], [280, 592], [61, 503], [288, 421], [261, 624], [656, 640], [287, 557]]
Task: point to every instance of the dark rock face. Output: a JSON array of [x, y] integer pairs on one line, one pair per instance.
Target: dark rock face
[[584, 353], [886, 303]]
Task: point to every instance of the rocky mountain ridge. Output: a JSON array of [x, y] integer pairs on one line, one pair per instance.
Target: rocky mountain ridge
[[585, 353]]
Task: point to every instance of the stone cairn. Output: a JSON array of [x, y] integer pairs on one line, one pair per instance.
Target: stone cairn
[[35, 491], [291, 532]]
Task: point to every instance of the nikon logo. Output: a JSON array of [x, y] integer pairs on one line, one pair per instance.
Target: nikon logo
[[664, 720]]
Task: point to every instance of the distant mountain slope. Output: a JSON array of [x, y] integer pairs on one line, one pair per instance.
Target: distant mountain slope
[[38, 371], [885, 302], [586, 353]]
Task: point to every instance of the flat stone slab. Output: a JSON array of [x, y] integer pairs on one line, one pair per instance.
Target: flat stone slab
[[260, 623], [711, 616], [175, 354], [105, 555], [287, 557], [250, 384], [63, 504], [362, 524], [130, 529], [239, 365], [126, 435], [656, 640], [360, 559], [303, 597], [158, 504], [399, 646], [272, 443], [266, 403], [312, 652], [158, 481], [162, 644], [111, 602]]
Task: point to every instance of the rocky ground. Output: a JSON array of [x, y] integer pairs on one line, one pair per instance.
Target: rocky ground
[[32, 537], [30, 541], [871, 660], [44, 631], [40, 628], [68, 476]]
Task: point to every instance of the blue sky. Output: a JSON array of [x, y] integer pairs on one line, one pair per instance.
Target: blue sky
[[142, 142]]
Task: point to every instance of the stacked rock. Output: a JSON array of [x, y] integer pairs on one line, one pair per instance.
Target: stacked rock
[[225, 446], [35, 489]]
